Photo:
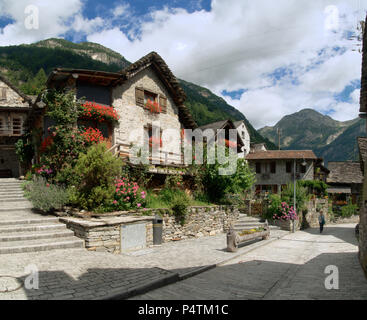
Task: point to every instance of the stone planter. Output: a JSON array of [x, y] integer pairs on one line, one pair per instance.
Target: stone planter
[[287, 225]]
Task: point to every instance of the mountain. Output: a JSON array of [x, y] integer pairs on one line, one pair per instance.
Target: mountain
[[308, 129], [26, 66]]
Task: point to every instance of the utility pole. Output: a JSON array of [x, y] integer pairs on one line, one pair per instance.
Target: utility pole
[[278, 138], [294, 192]]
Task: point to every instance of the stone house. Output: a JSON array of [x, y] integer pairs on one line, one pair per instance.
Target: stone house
[[14, 110], [276, 168], [131, 93], [345, 182], [363, 114], [245, 137], [225, 126]]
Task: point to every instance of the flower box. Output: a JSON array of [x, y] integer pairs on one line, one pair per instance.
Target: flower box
[[100, 113], [153, 106]]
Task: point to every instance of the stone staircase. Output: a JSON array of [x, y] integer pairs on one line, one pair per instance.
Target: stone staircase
[[245, 222], [21, 230]]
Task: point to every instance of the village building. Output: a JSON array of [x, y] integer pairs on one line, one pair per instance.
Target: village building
[[345, 182], [245, 137], [225, 126], [277, 168], [363, 114], [146, 96], [14, 110]]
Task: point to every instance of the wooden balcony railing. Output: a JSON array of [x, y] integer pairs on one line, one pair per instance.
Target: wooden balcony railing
[[162, 158]]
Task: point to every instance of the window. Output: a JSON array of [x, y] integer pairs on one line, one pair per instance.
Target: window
[[258, 167], [243, 135], [303, 169], [3, 93], [142, 96], [3, 126], [273, 167], [98, 94], [288, 167], [17, 125]]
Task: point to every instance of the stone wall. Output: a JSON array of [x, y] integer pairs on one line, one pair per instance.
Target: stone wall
[[200, 222], [105, 233], [311, 218]]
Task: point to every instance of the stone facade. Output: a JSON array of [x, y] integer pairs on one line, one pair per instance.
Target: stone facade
[[13, 115], [135, 117], [314, 208], [281, 177], [245, 137]]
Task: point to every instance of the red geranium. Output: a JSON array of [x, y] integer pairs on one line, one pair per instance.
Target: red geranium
[[92, 110], [93, 135], [153, 106]]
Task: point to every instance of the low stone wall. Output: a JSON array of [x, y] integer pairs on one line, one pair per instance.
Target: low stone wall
[[314, 207], [287, 225], [363, 238], [340, 220], [106, 233], [200, 222]]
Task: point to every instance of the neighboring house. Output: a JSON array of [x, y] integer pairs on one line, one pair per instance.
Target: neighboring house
[[345, 182], [14, 109], [321, 172], [225, 126], [245, 137], [128, 93], [257, 147], [363, 114], [275, 169]]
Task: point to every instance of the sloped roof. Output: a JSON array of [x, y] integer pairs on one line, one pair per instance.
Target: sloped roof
[[13, 87], [363, 96], [218, 125], [345, 172], [282, 155], [238, 123], [115, 78]]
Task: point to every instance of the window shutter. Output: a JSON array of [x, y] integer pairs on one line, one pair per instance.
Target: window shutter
[[163, 103], [139, 96], [2, 126], [17, 126]]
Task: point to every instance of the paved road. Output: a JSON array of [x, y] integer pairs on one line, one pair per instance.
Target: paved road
[[290, 268]]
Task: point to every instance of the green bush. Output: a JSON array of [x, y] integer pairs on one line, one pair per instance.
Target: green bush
[[302, 195], [95, 173], [180, 209], [275, 206], [320, 187], [349, 210], [45, 196]]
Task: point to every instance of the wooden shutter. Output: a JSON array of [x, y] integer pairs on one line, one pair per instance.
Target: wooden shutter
[[17, 126], [163, 103], [2, 126], [139, 96]]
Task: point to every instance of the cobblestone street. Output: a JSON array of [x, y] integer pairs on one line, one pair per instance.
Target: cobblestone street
[[290, 268]]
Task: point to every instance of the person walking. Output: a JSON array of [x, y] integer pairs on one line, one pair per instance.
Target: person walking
[[321, 221]]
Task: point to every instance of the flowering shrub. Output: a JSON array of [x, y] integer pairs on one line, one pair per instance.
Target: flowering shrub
[[93, 135], [44, 171], [286, 213], [128, 195], [47, 142], [153, 106], [92, 110]]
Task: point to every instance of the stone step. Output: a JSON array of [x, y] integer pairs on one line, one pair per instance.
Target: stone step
[[24, 236], [28, 221], [30, 228], [12, 193], [12, 199], [14, 206], [5, 186], [40, 245], [248, 221]]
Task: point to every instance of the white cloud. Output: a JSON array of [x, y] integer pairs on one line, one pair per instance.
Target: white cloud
[[236, 45]]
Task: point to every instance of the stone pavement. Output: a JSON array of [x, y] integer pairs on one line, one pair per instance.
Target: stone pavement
[[80, 274], [290, 268]]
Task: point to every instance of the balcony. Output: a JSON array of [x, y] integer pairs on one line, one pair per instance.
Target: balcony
[[265, 176], [163, 158]]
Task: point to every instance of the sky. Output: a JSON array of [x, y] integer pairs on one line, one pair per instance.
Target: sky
[[266, 58]]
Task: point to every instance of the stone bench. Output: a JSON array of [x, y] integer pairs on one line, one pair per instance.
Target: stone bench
[[234, 238]]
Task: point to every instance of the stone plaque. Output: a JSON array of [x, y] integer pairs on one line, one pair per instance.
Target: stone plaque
[[133, 237]]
